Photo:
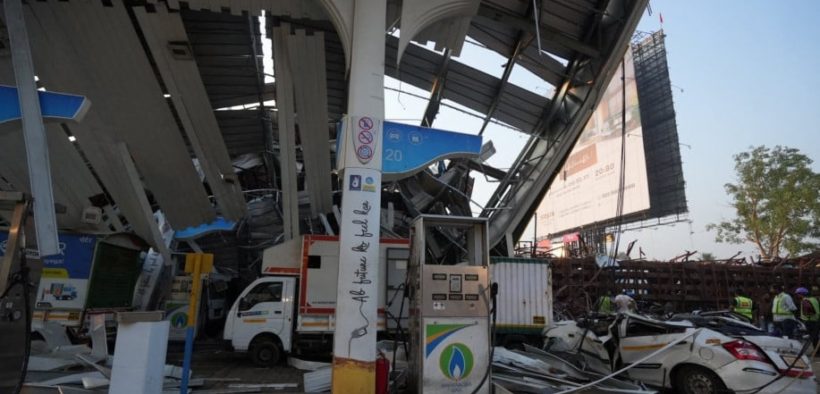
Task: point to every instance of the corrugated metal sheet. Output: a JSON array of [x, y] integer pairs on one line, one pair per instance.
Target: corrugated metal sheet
[[466, 85], [524, 292]]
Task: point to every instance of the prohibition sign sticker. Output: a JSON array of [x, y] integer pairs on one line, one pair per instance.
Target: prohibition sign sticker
[[365, 137], [364, 152], [366, 123]]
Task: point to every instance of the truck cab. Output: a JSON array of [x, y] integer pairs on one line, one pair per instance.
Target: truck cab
[[260, 322]]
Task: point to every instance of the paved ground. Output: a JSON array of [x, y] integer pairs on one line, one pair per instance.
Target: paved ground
[[211, 362], [220, 369]]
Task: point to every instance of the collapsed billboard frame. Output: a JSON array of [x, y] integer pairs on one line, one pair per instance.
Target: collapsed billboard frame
[[661, 146]]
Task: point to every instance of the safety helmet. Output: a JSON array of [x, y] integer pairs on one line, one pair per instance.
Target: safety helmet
[[802, 291]]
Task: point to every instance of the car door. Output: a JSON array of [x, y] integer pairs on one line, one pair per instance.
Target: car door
[[261, 309], [639, 338]]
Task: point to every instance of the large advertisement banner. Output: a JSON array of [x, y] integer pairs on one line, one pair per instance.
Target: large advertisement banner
[[65, 278], [586, 189]]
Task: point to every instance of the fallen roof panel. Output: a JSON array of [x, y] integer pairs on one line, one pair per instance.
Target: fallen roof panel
[[123, 89]]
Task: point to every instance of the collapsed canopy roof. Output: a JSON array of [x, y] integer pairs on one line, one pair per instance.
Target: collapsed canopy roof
[[174, 81]]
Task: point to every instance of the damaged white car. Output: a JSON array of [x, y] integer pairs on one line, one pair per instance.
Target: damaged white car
[[695, 354]]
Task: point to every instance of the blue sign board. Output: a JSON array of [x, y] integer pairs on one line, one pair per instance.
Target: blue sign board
[[407, 149], [73, 260], [220, 224], [57, 106], [65, 276]]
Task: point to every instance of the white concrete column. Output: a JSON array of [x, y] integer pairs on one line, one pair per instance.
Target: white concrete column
[[354, 341]]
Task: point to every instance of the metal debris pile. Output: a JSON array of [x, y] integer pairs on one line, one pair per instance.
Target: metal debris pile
[[58, 366], [533, 370]]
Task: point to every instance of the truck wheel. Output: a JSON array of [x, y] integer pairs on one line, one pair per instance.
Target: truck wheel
[[265, 352], [697, 380]]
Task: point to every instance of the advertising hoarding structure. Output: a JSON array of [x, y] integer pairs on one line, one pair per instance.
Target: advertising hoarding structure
[[585, 194]]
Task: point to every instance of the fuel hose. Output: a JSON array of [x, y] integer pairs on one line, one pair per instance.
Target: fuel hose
[[493, 294]]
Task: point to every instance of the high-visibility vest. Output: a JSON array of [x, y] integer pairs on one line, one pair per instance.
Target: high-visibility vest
[[777, 307], [605, 304], [814, 304], [743, 306]]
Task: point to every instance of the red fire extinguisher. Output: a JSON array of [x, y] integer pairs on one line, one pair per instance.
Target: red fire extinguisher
[[382, 371]]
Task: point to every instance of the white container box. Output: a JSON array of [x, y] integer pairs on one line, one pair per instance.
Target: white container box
[[524, 294]]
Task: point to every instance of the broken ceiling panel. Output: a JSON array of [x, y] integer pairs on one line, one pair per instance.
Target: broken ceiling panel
[[73, 183], [166, 38], [100, 57], [307, 54], [444, 21]]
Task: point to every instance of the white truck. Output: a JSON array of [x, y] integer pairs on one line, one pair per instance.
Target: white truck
[[291, 308]]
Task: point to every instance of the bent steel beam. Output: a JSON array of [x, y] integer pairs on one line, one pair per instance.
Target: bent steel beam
[[564, 119]]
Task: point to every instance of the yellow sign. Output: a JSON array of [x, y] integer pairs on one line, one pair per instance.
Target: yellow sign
[[54, 273], [206, 264]]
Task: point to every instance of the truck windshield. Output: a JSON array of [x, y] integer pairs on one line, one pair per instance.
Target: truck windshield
[[263, 292]]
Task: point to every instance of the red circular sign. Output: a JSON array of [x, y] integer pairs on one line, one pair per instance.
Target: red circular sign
[[366, 123], [365, 137], [364, 152]]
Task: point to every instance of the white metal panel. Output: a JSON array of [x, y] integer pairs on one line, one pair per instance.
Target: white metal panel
[[287, 132], [184, 84], [287, 255], [307, 54], [100, 56], [524, 292], [73, 182], [420, 14], [322, 282]]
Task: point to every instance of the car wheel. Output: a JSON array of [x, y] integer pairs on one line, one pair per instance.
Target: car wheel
[[265, 352], [696, 380]]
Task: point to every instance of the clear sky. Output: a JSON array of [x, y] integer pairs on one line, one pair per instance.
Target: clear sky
[[744, 73]]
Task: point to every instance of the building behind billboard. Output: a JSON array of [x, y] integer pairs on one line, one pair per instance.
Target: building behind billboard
[[584, 198]]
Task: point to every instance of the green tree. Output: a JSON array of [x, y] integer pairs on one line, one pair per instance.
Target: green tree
[[706, 256], [777, 202]]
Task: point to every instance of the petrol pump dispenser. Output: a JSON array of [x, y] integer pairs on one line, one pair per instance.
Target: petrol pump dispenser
[[449, 309]]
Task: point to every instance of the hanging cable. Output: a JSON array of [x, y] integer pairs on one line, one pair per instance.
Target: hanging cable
[[619, 210], [619, 205]]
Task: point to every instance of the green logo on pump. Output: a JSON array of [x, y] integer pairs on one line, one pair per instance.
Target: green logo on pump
[[456, 361]]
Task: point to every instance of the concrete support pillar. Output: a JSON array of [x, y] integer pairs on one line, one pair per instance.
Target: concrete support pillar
[[354, 341]]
